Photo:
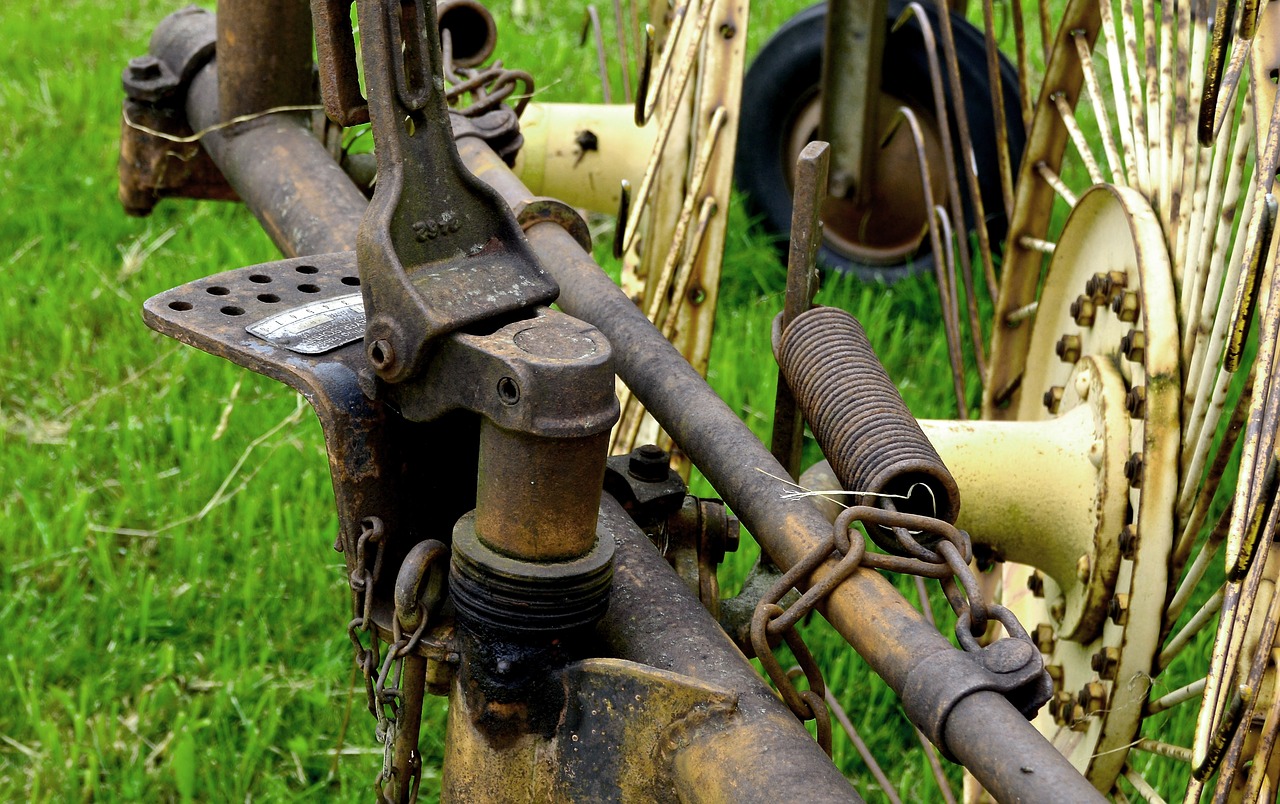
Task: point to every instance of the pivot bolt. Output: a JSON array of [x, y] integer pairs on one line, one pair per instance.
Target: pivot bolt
[[1035, 582], [1044, 638], [1134, 345], [1125, 306], [1083, 310], [382, 355], [1118, 609], [1053, 398], [1128, 542], [1068, 348], [1105, 663], [649, 463], [1078, 721], [1136, 401], [1133, 469]]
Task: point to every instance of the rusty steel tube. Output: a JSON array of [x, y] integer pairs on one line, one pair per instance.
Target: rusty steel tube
[[873, 442], [877, 621], [471, 28], [265, 50], [762, 754], [304, 200]]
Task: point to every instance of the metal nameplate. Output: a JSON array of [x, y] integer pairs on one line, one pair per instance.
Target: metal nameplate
[[316, 328]]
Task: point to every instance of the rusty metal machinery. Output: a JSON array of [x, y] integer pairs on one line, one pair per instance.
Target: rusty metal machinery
[[1118, 383]]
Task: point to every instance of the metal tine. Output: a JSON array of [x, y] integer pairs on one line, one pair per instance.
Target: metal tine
[[1166, 101], [946, 291], [1199, 341], [624, 56], [1046, 33], [1178, 121], [914, 9], [684, 273], [1258, 665], [646, 72], [1055, 181], [1137, 128], [1250, 15], [1099, 110], [592, 25], [997, 109], [868, 758], [1210, 111], [624, 216], [676, 250], [966, 151], [951, 310], [1151, 87], [1266, 743], [1202, 238], [633, 22], [1020, 50], [1117, 70], [1078, 139], [676, 91], [1195, 572], [1248, 290], [1199, 158], [1203, 617]]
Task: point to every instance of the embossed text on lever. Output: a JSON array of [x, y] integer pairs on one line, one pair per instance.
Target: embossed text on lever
[[438, 249]]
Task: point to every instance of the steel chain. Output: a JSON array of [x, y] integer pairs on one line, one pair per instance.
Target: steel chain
[[487, 86], [948, 562]]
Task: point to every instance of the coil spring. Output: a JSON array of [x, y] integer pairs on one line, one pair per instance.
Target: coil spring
[[872, 441]]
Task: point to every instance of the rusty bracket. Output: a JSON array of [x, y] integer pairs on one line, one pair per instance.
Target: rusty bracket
[[157, 157], [438, 250]]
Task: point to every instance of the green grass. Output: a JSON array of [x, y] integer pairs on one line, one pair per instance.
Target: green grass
[[171, 611]]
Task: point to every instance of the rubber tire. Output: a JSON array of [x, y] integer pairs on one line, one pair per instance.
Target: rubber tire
[[788, 71]]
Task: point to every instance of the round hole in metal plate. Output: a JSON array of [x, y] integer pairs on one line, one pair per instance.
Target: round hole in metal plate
[[232, 310], [268, 298], [307, 269], [217, 290], [259, 279], [180, 306], [309, 288], [353, 281]]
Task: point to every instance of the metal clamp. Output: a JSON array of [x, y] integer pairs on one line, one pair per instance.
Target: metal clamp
[[543, 209]]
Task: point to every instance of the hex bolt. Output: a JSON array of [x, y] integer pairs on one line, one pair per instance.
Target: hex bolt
[[1083, 310], [1134, 345], [1083, 567], [1105, 663], [1128, 542], [1035, 582], [144, 68], [1133, 470], [1136, 401], [1055, 675], [649, 463], [1125, 306], [1118, 609], [1098, 287], [1093, 697], [1061, 706], [1053, 398], [1117, 279], [1044, 638], [1068, 348], [1078, 721]]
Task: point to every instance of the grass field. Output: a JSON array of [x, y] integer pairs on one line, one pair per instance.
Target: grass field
[[171, 611]]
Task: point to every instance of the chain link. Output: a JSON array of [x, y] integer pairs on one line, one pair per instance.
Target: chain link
[[487, 86], [947, 561]]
